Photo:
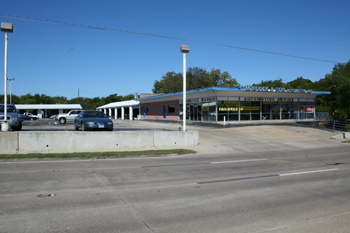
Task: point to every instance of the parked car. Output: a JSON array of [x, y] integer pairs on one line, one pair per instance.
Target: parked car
[[93, 120], [29, 116], [13, 116], [21, 117], [66, 117], [53, 117]]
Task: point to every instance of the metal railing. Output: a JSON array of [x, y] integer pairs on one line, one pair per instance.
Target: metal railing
[[334, 124], [310, 115], [328, 124]]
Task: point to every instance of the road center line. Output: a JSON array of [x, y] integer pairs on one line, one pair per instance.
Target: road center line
[[238, 161], [267, 176], [192, 164]]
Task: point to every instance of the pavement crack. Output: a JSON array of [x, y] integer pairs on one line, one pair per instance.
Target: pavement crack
[[119, 197], [135, 212]]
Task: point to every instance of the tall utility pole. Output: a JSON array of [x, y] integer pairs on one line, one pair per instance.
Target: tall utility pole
[[11, 80], [5, 27], [184, 49]]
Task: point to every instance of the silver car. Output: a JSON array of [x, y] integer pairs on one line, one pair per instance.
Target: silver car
[[13, 116]]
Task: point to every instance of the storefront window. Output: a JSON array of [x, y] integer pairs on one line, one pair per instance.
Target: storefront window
[[181, 112], [270, 110], [209, 111], [288, 109], [250, 110], [306, 109], [229, 110]]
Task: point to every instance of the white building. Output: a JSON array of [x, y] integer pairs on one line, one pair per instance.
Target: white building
[[46, 110], [122, 110]]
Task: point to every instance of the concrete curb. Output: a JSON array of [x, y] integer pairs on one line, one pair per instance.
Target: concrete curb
[[341, 136]]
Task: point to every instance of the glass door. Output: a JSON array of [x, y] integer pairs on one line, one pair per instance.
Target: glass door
[[195, 112]]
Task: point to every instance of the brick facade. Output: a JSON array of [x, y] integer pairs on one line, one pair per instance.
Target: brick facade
[[154, 111]]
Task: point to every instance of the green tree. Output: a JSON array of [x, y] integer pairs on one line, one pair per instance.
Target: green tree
[[218, 79], [158, 87], [271, 83], [301, 83], [338, 83], [169, 83], [196, 78], [28, 99], [59, 100]]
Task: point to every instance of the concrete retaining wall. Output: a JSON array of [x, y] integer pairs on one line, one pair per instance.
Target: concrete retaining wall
[[42, 141], [9, 141]]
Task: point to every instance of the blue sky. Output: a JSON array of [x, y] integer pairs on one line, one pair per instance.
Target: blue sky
[[57, 60]]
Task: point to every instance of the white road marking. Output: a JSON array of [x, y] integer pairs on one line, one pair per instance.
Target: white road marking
[[238, 161], [298, 173]]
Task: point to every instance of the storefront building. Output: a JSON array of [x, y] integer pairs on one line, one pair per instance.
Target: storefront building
[[217, 104]]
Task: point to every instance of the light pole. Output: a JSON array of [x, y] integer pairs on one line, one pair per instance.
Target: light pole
[[184, 49], [5, 27], [11, 80]]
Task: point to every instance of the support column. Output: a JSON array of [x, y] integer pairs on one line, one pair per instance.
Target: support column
[[239, 109], [105, 111], [131, 113], [140, 112], [110, 112], [314, 109], [115, 113], [123, 113]]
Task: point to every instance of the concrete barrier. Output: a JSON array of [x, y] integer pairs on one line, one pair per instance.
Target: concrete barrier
[[9, 141], [172, 138], [63, 141]]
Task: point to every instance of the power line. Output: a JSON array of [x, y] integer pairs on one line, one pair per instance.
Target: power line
[[211, 17], [296, 17], [16, 17], [280, 32]]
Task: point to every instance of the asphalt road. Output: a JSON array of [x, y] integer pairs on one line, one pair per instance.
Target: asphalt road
[[300, 190]]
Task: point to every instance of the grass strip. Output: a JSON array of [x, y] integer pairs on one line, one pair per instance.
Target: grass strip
[[96, 155], [345, 141]]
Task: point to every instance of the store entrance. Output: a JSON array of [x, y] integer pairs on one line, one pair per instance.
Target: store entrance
[[195, 112]]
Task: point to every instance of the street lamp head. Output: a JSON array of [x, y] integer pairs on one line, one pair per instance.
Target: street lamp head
[[6, 27], [184, 49]]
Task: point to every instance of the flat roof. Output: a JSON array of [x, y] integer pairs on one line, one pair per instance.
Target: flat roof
[[128, 103], [241, 90], [48, 106]]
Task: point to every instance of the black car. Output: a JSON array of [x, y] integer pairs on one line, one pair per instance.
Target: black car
[[92, 120]]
